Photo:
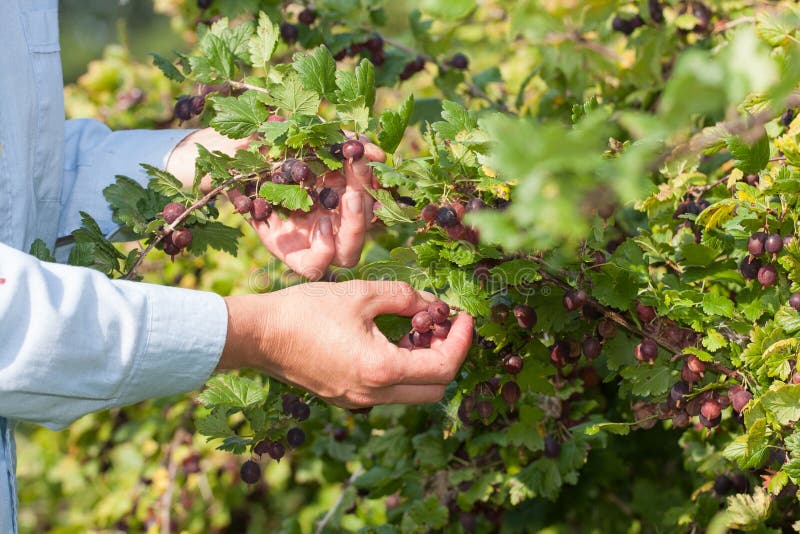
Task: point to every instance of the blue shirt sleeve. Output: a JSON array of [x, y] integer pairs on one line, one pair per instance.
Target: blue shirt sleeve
[[75, 342], [94, 156]]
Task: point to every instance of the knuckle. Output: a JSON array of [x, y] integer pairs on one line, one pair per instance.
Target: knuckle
[[376, 375]]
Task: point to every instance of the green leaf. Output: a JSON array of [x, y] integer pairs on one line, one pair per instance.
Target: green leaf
[[714, 304], [214, 425], [291, 96], [216, 235], [40, 251], [456, 120], [783, 401], [317, 71], [263, 44], [166, 66], [238, 116], [750, 159], [233, 391], [425, 515], [393, 125], [163, 182], [292, 197], [749, 511], [390, 212], [620, 429], [365, 78]]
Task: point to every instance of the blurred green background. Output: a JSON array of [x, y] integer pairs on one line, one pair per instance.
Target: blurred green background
[[87, 26]]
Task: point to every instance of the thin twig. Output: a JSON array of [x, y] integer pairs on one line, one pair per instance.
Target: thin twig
[[329, 515], [185, 215]]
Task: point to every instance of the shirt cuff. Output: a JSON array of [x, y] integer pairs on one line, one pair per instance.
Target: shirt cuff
[[186, 332]]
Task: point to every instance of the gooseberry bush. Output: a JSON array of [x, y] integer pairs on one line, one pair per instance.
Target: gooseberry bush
[[614, 198]]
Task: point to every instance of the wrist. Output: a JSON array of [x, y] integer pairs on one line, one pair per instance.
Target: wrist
[[247, 339]]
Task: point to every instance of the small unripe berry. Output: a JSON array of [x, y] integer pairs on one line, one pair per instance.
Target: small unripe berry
[[510, 392], [329, 198], [295, 437], [559, 354], [242, 204], [607, 329], [441, 330], [276, 450], [513, 364], [196, 104], [307, 16], [182, 238], [756, 243], [459, 61], [767, 275], [457, 232], [301, 411], [183, 108], [374, 43], [439, 311], [739, 398], [575, 299], [428, 213], [172, 211], [552, 448], [250, 472], [710, 409], [353, 150], [446, 217], [646, 351], [260, 209], [646, 313], [677, 394], [774, 243], [302, 173], [421, 339], [695, 364], [749, 269], [422, 322], [592, 348], [526, 316], [484, 409], [289, 32]]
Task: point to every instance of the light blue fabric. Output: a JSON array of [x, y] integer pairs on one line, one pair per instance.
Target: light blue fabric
[[72, 341]]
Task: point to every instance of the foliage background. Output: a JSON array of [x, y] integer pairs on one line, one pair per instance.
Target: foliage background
[[143, 467]]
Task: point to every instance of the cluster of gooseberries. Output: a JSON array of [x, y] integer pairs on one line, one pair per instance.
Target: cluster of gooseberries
[[298, 410], [429, 324], [449, 218]]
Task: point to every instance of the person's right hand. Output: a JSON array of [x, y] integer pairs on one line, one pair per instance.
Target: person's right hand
[[322, 338]]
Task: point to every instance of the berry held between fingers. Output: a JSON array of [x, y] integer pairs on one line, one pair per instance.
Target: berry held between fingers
[[439, 311], [329, 198], [422, 322], [353, 150]]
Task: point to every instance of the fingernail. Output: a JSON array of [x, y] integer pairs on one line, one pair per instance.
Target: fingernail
[[324, 227], [355, 204]]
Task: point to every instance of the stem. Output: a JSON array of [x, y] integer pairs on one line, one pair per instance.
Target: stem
[[329, 515], [185, 215]]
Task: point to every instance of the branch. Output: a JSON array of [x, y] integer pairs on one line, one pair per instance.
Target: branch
[[131, 274], [560, 279]]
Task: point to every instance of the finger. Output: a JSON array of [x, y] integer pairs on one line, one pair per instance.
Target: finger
[[352, 230], [359, 173], [387, 297], [314, 261], [435, 365], [410, 394]]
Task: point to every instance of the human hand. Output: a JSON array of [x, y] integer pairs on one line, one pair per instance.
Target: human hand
[[322, 338], [306, 242]]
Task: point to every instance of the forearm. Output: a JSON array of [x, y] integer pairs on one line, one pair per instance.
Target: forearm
[[181, 161]]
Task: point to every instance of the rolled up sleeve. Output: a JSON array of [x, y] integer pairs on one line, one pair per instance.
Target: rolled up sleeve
[[95, 155], [74, 342]]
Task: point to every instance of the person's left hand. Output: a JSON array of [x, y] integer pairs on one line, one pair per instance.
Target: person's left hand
[[306, 242]]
